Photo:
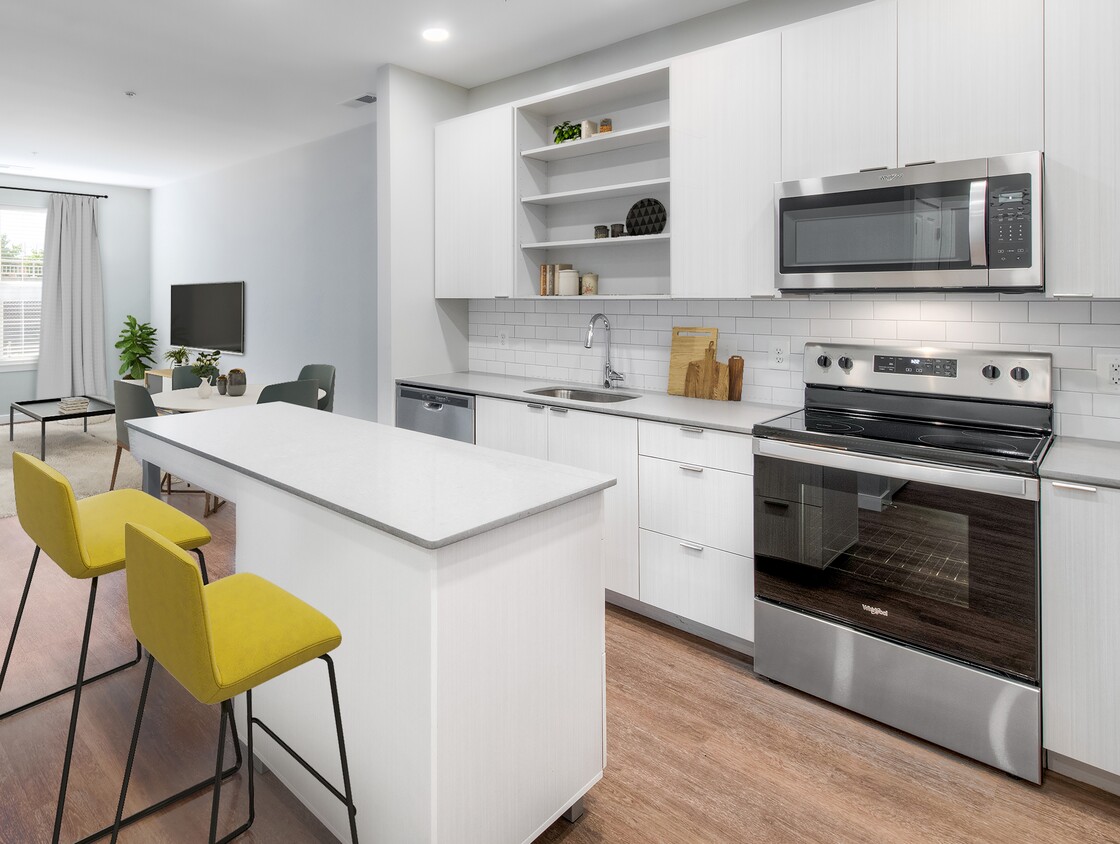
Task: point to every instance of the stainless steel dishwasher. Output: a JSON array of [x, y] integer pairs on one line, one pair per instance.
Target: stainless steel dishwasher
[[441, 413]]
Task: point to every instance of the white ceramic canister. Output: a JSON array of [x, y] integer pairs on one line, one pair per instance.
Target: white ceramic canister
[[567, 284]]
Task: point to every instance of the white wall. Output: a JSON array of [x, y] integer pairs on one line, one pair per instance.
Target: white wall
[[300, 229], [123, 222], [417, 333]]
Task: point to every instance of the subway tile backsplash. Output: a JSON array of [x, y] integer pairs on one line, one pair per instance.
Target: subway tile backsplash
[[545, 339]]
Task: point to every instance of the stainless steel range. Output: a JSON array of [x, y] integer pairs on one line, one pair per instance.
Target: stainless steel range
[[896, 543]]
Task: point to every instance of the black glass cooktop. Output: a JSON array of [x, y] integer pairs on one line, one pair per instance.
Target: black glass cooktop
[[984, 448]]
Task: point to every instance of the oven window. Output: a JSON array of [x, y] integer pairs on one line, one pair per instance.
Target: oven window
[[918, 227]]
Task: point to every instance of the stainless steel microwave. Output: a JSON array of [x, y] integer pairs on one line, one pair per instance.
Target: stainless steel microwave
[[962, 225]]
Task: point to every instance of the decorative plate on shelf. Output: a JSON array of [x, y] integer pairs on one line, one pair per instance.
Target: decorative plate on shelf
[[646, 216]]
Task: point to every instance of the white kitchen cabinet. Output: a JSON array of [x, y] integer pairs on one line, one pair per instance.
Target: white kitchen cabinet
[[725, 132], [697, 503], [1082, 154], [474, 234], [1080, 624], [839, 92], [969, 78], [596, 441]]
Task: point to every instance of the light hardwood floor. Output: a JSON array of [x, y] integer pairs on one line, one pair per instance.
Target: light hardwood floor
[[699, 748]]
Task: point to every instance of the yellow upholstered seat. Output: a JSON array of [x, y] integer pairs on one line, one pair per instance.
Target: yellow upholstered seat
[[220, 640]]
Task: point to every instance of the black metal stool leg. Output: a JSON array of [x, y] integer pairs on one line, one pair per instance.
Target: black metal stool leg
[[351, 810], [74, 713], [218, 774], [19, 617], [202, 565], [132, 747]]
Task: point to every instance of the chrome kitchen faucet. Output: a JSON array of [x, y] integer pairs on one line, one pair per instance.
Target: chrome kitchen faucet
[[609, 375]]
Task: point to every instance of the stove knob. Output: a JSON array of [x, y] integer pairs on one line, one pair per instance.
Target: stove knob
[[990, 372], [845, 363], [824, 361], [1020, 374]]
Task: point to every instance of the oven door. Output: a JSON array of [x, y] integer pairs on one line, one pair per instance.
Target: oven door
[[910, 228], [939, 558]]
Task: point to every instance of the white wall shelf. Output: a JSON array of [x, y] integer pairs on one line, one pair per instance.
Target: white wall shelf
[[603, 142], [600, 192], [641, 240]]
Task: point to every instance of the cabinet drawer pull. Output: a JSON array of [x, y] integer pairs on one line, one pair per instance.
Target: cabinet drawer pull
[[777, 505], [1078, 487], [691, 546], [559, 409], [690, 430], [690, 468], [536, 407], [1072, 295]]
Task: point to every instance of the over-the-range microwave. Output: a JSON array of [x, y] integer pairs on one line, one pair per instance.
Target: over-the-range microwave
[[962, 225]]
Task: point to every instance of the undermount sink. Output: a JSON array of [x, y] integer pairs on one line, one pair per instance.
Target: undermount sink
[[601, 396]]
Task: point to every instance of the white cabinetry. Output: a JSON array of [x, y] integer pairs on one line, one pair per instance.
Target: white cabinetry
[[1082, 153], [726, 138], [1080, 624], [839, 92], [596, 441], [696, 522], [969, 78], [474, 205]]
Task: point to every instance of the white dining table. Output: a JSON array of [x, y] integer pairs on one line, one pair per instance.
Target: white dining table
[[187, 399]]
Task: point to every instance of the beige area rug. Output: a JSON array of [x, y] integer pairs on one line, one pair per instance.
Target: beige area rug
[[86, 459]]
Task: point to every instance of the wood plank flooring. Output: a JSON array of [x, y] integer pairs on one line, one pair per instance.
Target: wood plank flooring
[[699, 748]]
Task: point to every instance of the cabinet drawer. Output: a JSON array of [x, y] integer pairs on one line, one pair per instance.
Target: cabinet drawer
[[699, 446], [702, 505], [704, 584]]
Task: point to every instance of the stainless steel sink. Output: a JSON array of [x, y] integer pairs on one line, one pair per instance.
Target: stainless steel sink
[[600, 396]]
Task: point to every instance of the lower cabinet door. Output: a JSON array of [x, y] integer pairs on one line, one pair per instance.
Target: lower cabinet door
[[703, 584]]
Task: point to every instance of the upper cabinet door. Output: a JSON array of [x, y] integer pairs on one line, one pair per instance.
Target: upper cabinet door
[[839, 92], [1082, 155], [726, 140], [969, 78], [474, 205]]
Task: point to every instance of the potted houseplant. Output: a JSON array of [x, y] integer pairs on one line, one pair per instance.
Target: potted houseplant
[[137, 344], [566, 131], [205, 366], [178, 357]]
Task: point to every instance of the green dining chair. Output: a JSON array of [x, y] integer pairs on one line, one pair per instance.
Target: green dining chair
[[324, 374], [305, 393], [182, 377]]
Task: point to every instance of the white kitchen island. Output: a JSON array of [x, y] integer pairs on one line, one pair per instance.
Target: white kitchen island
[[468, 587]]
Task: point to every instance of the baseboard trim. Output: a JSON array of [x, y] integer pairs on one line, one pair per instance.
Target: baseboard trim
[[1104, 780], [679, 622]]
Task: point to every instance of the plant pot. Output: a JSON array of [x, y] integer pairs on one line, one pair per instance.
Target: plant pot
[[236, 386]]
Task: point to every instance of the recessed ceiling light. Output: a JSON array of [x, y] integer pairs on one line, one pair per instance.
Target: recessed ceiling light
[[436, 34]]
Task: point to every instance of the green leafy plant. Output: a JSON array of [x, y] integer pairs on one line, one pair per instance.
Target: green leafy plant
[[137, 344], [566, 131], [179, 356], [205, 365]]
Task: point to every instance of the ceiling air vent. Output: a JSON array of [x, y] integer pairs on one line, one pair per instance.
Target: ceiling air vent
[[360, 102]]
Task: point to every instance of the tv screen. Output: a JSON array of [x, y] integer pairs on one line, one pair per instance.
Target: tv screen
[[209, 316]]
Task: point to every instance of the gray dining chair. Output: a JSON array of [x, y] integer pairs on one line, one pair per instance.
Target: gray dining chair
[[324, 374], [133, 401], [305, 393], [182, 377]]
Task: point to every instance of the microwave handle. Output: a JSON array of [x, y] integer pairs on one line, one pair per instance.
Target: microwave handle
[[977, 223]]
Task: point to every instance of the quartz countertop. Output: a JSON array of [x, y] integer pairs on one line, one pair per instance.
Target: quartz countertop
[[429, 491], [1083, 461], [737, 416]]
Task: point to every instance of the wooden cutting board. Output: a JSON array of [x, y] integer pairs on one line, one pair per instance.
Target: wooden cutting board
[[689, 344], [707, 378]]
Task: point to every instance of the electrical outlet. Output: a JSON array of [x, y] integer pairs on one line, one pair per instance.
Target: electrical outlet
[[503, 338], [778, 355], [1108, 373]]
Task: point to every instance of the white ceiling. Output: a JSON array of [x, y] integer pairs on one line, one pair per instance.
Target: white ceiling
[[221, 81]]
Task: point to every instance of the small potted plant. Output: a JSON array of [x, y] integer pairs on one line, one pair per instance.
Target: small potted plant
[[566, 131], [205, 366], [137, 344], [178, 357]]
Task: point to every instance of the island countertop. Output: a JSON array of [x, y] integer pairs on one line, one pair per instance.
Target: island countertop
[[429, 491]]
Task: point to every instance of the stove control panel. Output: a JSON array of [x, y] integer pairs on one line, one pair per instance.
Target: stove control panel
[[905, 365], [923, 370]]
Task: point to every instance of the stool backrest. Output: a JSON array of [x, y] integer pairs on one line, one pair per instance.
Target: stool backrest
[[324, 374], [133, 401], [182, 377], [48, 512], [305, 393], [167, 608]]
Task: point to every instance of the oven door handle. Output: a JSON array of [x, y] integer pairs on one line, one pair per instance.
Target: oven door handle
[[978, 223], [1011, 486]]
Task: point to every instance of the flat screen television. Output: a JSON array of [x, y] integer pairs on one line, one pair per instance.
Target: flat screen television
[[209, 316]]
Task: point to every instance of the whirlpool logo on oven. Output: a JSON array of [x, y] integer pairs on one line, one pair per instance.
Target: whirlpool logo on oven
[[875, 610]]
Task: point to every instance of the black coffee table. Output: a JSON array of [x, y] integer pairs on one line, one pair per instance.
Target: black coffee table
[[48, 410]]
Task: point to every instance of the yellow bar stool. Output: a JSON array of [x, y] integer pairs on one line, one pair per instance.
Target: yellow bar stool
[[87, 540], [220, 640]]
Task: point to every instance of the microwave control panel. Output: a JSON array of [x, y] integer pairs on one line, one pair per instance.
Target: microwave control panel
[[1009, 221]]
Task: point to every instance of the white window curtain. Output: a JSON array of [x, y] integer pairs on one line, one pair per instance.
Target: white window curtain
[[72, 337]]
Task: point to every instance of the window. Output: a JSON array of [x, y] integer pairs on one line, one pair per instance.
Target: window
[[22, 231]]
